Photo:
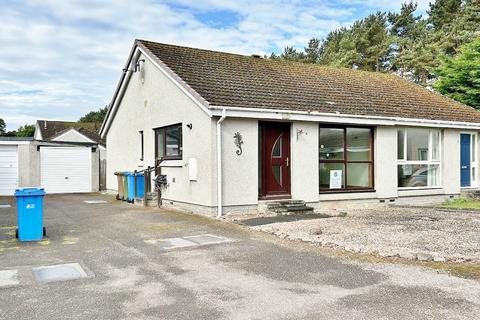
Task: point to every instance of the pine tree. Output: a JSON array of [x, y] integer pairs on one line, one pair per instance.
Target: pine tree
[[291, 54], [459, 76], [312, 51]]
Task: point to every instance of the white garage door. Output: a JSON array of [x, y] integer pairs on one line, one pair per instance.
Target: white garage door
[[66, 169], [8, 170]]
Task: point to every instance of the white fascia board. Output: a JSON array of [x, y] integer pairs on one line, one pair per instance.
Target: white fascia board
[[277, 114], [14, 143], [182, 85]]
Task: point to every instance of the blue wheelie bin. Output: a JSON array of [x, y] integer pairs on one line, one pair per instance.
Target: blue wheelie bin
[[140, 183], [131, 186], [30, 214]]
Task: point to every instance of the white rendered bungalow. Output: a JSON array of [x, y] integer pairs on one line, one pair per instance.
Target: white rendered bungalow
[[236, 132]]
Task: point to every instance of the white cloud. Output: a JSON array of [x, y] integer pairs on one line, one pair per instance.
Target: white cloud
[[61, 59]]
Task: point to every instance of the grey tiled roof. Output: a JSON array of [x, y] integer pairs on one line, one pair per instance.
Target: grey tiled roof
[[232, 80]]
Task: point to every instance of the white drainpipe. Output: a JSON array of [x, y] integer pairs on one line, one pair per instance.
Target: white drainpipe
[[219, 163]]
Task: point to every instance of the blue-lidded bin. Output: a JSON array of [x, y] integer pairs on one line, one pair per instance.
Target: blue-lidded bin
[[131, 186], [30, 213], [140, 182]]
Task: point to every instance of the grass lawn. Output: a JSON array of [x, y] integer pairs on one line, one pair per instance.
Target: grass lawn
[[462, 204]]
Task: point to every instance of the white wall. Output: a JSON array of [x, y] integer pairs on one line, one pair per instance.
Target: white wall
[[156, 103], [451, 161], [240, 172], [385, 161], [304, 162]]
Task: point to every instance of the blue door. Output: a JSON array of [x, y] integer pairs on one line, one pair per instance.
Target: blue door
[[465, 159]]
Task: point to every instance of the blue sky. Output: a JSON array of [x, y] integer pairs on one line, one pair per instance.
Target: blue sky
[[61, 59]]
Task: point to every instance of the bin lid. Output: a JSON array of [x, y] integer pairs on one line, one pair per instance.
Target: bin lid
[[141, 174], [30, 191]]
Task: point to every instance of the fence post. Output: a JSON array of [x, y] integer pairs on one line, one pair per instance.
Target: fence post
[[146, 178]]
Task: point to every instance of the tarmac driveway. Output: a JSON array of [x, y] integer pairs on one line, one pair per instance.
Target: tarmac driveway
[[138, 263]]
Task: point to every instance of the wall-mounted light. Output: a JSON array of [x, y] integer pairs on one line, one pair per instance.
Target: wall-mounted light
[[138, 66], [189, 126]]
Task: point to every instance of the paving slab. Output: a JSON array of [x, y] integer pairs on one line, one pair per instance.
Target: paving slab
[[172, 243], [9, 278], [205, 239], [59, 272]]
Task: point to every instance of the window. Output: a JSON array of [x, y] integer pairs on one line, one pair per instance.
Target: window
[[418, 158], [168, 142], [141, 145], [345, 159]]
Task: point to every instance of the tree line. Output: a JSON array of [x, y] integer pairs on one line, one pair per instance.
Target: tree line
[[415, 47]]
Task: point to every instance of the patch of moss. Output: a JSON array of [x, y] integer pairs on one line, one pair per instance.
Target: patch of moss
[[462, 203]]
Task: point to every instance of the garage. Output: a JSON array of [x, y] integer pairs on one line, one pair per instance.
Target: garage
[[66, 169], [8, 169]]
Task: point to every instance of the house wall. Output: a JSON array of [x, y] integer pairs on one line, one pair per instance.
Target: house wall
[[240, 172], [158, 102], [27, 166], [385, 161], [304, 161]]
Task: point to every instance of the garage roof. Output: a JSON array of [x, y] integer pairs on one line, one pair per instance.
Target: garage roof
[[52, 129]]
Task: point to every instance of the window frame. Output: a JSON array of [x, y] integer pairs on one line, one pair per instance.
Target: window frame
[[180, 144], [428, 162], [473, 159], [345, 160], [141, 145]]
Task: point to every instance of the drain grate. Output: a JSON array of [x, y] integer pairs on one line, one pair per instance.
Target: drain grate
[[59, 272]]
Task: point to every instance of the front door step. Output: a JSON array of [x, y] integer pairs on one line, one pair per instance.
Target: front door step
[[286, 207]]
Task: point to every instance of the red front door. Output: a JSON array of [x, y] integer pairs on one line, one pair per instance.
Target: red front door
[[275, 159]]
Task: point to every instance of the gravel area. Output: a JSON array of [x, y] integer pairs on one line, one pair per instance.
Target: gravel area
[[425, 234]]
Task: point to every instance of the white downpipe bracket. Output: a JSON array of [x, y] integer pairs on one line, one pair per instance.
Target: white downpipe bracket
[[219, 163]]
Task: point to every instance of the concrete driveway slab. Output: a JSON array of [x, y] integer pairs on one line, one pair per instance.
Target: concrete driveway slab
[[59, 272], [9, 278]]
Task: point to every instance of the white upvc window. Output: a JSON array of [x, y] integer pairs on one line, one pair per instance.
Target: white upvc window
[[418, 154]]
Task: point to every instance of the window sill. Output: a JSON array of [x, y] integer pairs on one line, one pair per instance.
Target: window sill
[[337, 196], [172, 163], [419, 191], [346, 191], [418, 188]]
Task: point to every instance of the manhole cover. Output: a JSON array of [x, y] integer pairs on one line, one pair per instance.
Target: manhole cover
[[59, 272]]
